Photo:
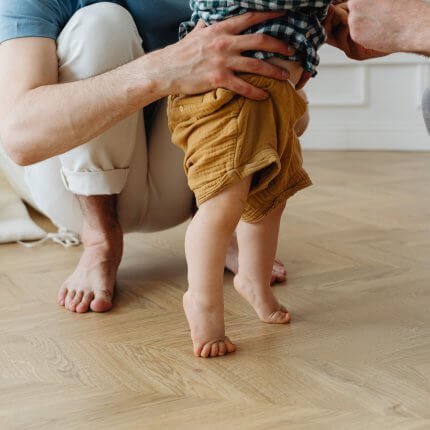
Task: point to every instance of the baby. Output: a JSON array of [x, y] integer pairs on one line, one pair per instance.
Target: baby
[[243, 161]]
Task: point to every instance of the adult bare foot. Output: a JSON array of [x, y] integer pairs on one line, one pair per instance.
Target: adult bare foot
[[262, 300], [206, 323], [279, 272], [92, 284]]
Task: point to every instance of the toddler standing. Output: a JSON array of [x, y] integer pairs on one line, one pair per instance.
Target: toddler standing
[[243, 161]]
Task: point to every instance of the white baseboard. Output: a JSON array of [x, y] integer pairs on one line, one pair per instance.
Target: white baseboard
[[370, 137]]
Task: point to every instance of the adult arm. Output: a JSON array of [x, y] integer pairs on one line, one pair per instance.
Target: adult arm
[[391, 25], [41, 118], [339, 35], [338, 32]]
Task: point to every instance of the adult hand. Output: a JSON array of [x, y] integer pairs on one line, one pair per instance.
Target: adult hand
[[339, 36], [209, 57], [391, 25]]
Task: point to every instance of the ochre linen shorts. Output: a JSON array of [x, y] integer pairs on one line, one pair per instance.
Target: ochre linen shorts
[[227, 137]]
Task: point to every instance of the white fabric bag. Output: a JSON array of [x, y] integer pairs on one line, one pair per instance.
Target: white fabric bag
[[15, 222], [17, 226]]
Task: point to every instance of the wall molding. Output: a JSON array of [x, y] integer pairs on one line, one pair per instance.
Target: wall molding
[[373, 105], [338, 100], [423, 82]]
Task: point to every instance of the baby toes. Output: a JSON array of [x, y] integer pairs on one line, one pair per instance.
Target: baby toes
[[222, 349], [206, 350], [279, 317], [231, 347], [214, 350]]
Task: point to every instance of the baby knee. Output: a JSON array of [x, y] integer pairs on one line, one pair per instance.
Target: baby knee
[[224, 210]]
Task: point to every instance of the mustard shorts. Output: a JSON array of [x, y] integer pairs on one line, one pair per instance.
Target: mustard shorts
[[227, 138]]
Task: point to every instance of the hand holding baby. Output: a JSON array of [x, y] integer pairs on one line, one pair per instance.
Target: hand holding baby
[[339, 34]]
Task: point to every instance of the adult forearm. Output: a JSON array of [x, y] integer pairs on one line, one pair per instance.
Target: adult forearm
[[40, 121], [53, 119], [410, 26], [391, 25], [420, 32]]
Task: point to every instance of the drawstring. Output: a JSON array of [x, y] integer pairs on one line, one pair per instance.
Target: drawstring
[[63, 237]]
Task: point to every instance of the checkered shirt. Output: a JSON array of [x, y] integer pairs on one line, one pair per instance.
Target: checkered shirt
[[301, 27]]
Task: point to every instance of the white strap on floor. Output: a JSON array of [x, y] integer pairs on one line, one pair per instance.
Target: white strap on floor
[[63, 237]]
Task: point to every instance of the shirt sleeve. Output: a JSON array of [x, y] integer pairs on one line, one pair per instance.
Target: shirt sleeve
[[32, 18]]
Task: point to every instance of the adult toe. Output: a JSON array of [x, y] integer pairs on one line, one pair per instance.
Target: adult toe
[[62, 294], [76, 300], [84, 305], [102, 301], [279, 273], [69, 298]]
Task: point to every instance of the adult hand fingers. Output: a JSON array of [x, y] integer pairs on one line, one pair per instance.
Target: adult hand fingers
[[201, 24], [244, 89], [342, 15], [240, 23], [344, 5], [259, 67], [261, 42], [336, 16]]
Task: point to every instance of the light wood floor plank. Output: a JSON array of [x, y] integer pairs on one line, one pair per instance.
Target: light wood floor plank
[[356, 356]]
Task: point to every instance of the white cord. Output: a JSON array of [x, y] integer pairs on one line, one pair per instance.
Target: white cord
[[63, 237]]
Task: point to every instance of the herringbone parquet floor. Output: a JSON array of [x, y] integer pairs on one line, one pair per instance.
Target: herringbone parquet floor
[[357, 355]]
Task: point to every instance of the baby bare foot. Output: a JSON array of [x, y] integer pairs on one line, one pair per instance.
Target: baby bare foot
[[263, 301], [92, 284], [279, 272], [206, 323]]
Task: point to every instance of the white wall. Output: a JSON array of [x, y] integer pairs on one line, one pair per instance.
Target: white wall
[[369, 106]]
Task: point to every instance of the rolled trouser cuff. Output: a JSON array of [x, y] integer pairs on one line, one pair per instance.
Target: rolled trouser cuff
[[95, 183]]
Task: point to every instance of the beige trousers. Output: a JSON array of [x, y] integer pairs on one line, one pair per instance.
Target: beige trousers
[[147, 174]]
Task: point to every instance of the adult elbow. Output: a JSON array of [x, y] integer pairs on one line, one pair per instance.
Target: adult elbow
[[13, 148]]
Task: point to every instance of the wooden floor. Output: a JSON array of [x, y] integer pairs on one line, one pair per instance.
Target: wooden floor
[[357, 356]]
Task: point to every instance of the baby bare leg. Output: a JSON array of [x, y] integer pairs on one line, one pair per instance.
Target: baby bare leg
[[257, 249], [206, 242]]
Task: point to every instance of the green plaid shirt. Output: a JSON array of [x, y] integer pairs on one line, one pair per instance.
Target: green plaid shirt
[[301, 27]]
